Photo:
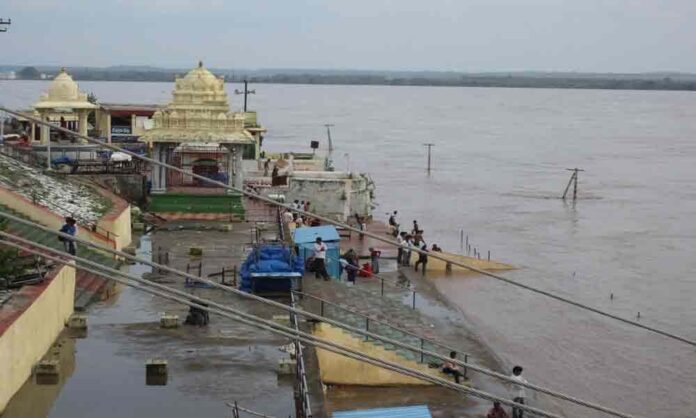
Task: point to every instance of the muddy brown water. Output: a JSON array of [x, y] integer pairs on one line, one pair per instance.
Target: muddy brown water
[[499, 166]]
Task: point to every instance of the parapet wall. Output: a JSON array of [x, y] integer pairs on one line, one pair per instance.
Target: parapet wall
[[115, 225], [335, 369], [29, 324]]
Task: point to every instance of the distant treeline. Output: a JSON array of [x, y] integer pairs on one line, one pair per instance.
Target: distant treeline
[[520, 80]]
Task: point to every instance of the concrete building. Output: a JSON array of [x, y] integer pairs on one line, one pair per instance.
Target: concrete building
[[123, 122]]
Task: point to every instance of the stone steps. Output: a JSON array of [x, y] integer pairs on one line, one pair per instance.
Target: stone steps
[[88, 287], [366, 299]]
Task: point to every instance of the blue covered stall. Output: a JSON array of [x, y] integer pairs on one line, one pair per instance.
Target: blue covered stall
[[271, 269], [418, 411], [304, 239]]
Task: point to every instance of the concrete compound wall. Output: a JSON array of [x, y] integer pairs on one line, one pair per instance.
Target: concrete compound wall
[[335, 369], [131, 187], [28, 331], [335, 195], [117, 221]]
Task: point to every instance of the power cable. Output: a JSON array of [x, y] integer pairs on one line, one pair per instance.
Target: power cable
[[296, 311], [367, 233], [253, 320]]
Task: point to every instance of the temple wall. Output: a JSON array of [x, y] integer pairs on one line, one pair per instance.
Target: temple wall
[[27, 331]]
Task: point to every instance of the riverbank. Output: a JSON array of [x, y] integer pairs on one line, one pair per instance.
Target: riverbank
[[561, 80]]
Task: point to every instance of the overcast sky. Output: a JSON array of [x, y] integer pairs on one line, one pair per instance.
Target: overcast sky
[[461, 35]]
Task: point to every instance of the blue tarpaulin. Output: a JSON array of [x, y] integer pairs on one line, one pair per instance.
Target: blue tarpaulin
[[271, 259], [418, 411]]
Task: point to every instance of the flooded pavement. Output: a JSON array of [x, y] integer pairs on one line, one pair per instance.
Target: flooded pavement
[[208, 366]]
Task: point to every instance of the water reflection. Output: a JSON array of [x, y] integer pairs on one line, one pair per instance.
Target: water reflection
[[36, 397]]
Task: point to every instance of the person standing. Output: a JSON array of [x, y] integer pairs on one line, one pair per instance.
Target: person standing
[[521, 394], [400, 250], [422, 258], [393, 225], [295, 206], [70, 228], [266, 166], [416, 228], [352, 268], [408, 245], [320, 260], [374, 259]]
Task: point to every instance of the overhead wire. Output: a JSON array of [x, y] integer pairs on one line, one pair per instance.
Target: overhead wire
[[297, 311], [176, 295], [366, 233]]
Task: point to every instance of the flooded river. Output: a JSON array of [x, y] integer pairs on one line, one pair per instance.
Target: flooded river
[[499, 165]]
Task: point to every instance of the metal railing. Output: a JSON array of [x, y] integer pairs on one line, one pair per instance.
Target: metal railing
[[422, 341], [303, 405], [403, 285]]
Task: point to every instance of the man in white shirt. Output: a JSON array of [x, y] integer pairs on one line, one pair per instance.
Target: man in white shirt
[[320, 259], [400, 250], [408, 246], [520, 394]]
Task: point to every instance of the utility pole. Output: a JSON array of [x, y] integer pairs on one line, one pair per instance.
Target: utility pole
[[246, 93], [429, 145], [573, 180], [4, 24], [329, 161]]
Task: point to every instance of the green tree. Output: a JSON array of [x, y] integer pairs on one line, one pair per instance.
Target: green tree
[[29, 73]]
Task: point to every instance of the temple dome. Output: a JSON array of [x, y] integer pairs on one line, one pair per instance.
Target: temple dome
[[64, 92], [200, 78], [63, 88], [199, 111]]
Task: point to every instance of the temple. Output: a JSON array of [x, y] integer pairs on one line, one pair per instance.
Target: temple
[[197, 131], [63, 104]]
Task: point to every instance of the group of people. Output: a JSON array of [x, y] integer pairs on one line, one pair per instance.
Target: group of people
[[291, 216], [410, 241], [450, 367]]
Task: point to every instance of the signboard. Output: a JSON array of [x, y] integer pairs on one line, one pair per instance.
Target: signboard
[[121, 130]]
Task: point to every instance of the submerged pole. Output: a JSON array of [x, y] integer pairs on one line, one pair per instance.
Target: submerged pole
[[430, 146]]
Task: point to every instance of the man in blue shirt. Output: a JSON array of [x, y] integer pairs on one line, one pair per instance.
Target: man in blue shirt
[[70, 228]]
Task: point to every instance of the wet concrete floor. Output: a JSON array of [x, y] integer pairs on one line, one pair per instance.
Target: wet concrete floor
[[208, 366]]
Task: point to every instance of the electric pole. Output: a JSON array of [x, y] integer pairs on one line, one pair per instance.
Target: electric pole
[[429, 145], [573, 180], [4, 24], [246, 93], [329, 162]]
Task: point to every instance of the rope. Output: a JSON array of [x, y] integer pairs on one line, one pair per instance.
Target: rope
[[294, 310], [367, 233], [253, 320]]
